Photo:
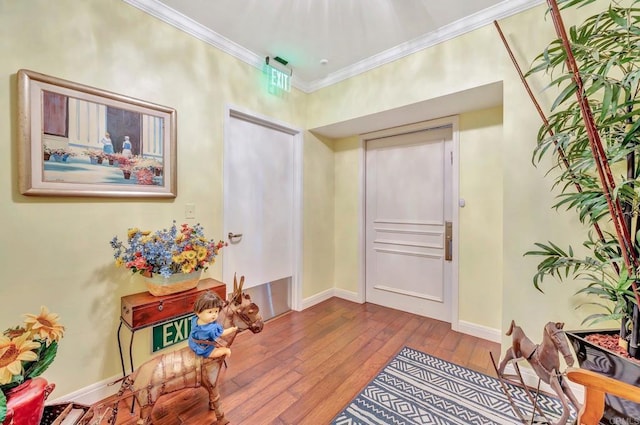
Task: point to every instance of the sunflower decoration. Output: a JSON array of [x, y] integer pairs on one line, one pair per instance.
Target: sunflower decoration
[[27, 351], [14, 352], [46, 325]]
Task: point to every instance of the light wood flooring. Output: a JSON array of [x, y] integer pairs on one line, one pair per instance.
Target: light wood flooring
[[306, 366]]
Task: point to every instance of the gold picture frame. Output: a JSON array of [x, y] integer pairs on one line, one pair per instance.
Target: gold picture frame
[[76, 140]]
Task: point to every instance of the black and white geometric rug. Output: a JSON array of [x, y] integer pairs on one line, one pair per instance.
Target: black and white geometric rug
[[416, 388]]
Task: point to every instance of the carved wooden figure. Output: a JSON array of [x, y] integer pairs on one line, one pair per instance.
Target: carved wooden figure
[[545, 360], [182, 368]]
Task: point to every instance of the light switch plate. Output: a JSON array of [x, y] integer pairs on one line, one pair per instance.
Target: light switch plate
[[190, 211]]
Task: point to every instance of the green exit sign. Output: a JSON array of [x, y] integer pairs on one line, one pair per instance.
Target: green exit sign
[[277, 80], [170, 333]]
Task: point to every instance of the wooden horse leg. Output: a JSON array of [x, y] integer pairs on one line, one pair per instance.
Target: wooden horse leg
[[215, 405], [126, 385], [572, 398], [145, 415], [508, 355], [555, 384]]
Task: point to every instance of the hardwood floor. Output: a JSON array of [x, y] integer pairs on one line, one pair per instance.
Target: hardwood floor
[[306, 366]]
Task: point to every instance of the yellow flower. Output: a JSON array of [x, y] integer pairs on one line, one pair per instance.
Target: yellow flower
[[187, 268], [180, 238], [132, 232], [12, 353], [119, 262], [189, 255], [45, 325], [202, 253], [177, 258]]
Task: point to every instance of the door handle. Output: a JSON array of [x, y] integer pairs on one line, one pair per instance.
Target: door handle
[[234, 235], [448, 241]]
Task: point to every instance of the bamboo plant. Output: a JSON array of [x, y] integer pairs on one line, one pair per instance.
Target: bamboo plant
[[593, 134]]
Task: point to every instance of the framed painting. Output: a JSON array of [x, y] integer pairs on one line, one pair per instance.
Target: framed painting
[[75, 140]]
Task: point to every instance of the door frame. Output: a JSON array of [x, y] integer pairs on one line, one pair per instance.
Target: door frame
[[232, 111], [451, 121]]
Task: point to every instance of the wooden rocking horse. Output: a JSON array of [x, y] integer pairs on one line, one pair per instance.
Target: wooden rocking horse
[[182, 368], [545, 360]]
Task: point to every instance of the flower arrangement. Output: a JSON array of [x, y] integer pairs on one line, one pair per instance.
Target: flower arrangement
[[93, 153], [146, 164], [62, 152], [27, 351], [166, 251], [122, 160]]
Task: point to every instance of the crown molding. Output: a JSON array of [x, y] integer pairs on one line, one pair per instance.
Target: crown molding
[[197, 30], [172, 17], [502, 10]]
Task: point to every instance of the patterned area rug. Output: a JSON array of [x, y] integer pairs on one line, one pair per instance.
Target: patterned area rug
[[416, 388]]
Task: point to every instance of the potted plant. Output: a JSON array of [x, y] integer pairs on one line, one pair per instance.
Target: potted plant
[[119, 159], [171, 259], [93, 155], [46, 152], [145, 169], [26, 351], [126, 171], [62, 154], [593, 135]]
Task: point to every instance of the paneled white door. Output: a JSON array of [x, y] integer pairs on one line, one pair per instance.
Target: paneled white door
[[260, 200], [408, 202]]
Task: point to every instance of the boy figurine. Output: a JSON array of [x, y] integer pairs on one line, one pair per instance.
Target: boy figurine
[[205, 330]]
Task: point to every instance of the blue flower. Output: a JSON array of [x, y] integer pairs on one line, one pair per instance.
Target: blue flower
[[181, 249]]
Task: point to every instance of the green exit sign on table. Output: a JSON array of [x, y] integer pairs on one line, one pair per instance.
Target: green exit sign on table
[[170, 333]]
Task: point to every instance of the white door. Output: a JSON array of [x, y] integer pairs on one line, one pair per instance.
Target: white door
[[408, 202], [261, 179]]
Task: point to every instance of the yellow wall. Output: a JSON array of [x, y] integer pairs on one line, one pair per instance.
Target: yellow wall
[[55, 250], [481, 238], [347, 171], [508, 200], [318, 216], [528, 198], [480, 264]]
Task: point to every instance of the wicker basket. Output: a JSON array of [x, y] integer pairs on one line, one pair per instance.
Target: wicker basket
[[179, 282]]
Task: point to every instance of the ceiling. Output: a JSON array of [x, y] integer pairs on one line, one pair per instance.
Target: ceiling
[[352, 36]]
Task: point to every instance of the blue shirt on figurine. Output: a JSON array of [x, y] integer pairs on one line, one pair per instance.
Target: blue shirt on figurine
[[205, 328], [208, 332]]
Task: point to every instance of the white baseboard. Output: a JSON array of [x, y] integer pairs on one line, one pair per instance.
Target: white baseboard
[[93, 393], [348, 295], [484, 332], [333, 292], [317, 298]]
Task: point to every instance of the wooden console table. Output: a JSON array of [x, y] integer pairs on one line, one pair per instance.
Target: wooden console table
[[143, 310]]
